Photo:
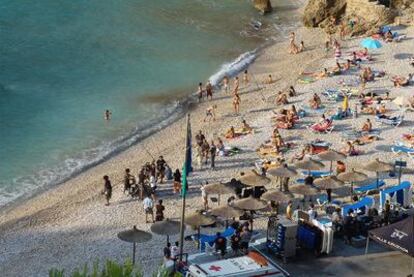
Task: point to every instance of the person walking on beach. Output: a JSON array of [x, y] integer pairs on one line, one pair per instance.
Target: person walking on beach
[[200, 92], [107, 115], [204, 197], [236, 103], [245, 78], [236, 85], [177, 181], [213, 150], [159, 211], [226, 84], [209, 90], [129, 180], [148, 208], [161, 168], [167, 252], [107, 189], [210, 113], [200, 138]]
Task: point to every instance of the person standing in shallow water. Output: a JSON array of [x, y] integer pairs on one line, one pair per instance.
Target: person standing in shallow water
[[107, 115], [200, 92], [107, 189]]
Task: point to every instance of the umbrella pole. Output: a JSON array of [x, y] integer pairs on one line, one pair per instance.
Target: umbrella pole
[[251, 221], [168, 239], [133, 253], [352, 190], [367, 245], [198, 238], [218, 201], [377, 180], [330, 168]]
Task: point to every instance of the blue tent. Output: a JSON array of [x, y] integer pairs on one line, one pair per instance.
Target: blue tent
[[399, 193], [371, 43], [361, 204]]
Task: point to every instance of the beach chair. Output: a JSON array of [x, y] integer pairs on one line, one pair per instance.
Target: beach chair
[[390, 120], [316, 173], [371, 186], [400, 149], [326, 127]]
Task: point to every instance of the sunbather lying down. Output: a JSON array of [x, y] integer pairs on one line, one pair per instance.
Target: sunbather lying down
[[365, 139], [401, 81], [244, 130], [379, 110]]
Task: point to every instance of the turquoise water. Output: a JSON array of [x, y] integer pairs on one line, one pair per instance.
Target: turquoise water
[[62, 63]]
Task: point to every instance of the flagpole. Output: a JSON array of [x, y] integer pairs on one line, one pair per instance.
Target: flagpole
[[183, 189]]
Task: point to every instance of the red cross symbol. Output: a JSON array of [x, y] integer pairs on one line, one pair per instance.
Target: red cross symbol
[[214, 268]]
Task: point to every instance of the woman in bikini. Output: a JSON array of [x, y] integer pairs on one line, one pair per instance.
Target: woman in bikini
[[236, 103]]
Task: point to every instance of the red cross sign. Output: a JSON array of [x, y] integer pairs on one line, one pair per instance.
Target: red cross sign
[[214, 268]]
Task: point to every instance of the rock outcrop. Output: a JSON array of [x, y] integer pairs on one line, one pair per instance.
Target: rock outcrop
[[317, 11], [264, 6], [368, 15]]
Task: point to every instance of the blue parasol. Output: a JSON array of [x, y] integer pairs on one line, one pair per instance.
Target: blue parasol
[[371, 43]]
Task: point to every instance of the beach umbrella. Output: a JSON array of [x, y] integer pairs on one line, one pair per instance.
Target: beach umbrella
[[282, 171], [371, 43], [378, 166], [134, 236], [309, 164], [166, 228], [197, 220], [250, 204], [226, 212], [351, 177], [254, 179], [303, 190], [218, 188], [331, 156], [329, 182], [277, 196]]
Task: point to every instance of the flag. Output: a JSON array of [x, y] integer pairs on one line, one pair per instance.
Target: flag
[[187, 167]]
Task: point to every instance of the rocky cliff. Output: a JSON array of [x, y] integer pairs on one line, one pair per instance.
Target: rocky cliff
[[264, 6], [368, 14]]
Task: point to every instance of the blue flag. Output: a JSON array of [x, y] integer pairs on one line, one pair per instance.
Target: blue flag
[[187, 167]]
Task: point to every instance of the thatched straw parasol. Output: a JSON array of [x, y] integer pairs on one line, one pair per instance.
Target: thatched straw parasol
[[303, 190], [219, 189], [254, 179], [166, 228], [329, 182], [250, 204], [226, 212], [197, 220], [378, 166], [283, 171], [277, 196], [331, 156], [309, 164], [134, 236], [351, 177]]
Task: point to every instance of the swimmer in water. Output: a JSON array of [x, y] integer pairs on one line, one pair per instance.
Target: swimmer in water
[[107, 115]]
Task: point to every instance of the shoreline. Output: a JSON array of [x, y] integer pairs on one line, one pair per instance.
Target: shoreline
[[179, 104], [74, 203]]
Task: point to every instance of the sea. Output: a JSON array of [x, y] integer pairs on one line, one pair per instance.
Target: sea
[[64, 62]]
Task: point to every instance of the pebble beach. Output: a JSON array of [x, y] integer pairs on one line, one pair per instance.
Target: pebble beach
[[69, 225]]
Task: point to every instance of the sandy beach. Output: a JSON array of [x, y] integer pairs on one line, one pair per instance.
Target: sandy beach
[[69, 225]]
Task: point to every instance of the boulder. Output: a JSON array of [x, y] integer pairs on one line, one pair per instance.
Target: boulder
[[264, 6], [316, 11]]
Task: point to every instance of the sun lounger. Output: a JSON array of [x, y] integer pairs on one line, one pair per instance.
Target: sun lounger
[[399, 149], [390, 120], [326, 127], [316, 173], [372, 186]]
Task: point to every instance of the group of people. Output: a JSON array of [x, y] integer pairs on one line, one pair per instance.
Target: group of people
[[293, 47], [206, 151]]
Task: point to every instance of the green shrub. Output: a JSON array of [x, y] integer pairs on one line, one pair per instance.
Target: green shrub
[[109, 269]]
